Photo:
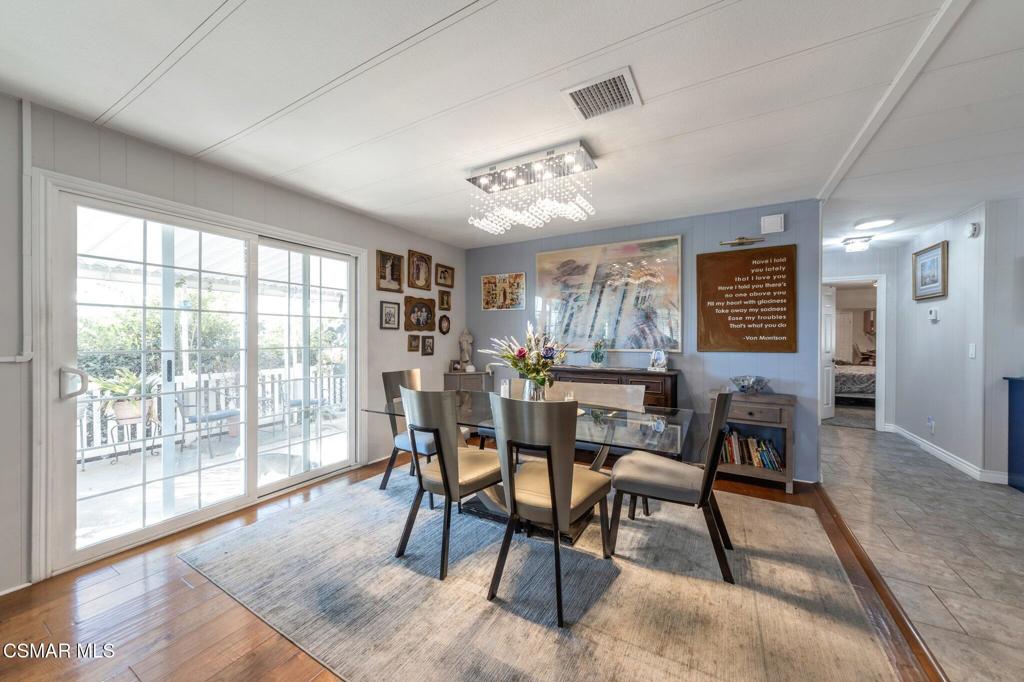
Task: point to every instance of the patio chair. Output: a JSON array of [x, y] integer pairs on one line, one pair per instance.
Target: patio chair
[[189, 407]]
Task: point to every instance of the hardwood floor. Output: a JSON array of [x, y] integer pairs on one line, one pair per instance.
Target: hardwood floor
[[167, 622]]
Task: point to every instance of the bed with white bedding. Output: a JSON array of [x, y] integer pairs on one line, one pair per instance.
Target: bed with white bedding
[[855, 381]]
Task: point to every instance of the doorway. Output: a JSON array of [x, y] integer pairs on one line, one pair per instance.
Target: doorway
[[195, 367], [856, 372]]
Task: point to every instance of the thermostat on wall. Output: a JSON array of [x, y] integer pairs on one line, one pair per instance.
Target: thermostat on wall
[[773, 223]]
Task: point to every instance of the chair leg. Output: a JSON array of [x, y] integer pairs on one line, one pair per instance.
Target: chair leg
[[483, 440], [558, 573], [632, 507], [716, 540], [499, 567], [647, 509], [613, 532], [430, 501], [721, 522], [409, 521], [603, 506], [446, 533], [387, 471], [460, 506]]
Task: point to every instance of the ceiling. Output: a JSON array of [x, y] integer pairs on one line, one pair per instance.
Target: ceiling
[[383, 107]]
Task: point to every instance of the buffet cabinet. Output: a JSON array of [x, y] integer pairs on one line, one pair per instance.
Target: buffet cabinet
[[660, 388]]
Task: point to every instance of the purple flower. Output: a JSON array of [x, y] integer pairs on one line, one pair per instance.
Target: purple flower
[[521, 353], [548, 353]]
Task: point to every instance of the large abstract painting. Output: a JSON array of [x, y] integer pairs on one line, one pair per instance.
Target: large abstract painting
[[626, 293]]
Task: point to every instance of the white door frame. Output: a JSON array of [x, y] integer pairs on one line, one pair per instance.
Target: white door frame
[[881, 359], [45, 191]]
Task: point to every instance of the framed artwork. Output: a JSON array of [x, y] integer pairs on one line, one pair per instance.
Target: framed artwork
[[390, 312], [427, 347], [455, 366], [413, 344], [503, 292], [419, 314], [389, 271], [444, 275], [931, 272], [444, 324], [627, 294], [419, 270], [444, 300]]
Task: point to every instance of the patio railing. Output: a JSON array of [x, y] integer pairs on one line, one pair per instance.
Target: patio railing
[[100, 431]]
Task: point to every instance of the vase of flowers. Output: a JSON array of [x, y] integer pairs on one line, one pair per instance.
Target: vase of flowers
[[533, 359]]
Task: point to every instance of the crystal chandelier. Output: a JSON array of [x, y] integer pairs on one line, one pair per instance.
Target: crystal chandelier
[[533, 190]]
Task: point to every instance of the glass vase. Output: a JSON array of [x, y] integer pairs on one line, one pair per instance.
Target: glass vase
[[532, 390]]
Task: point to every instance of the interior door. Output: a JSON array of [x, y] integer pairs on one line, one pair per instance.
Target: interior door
[[148, 323], [828, 353], [305, 391]]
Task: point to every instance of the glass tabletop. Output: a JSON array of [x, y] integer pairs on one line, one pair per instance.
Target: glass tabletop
[[660, 430]]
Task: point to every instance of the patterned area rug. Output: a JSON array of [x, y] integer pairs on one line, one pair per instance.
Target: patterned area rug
[[324, 575]]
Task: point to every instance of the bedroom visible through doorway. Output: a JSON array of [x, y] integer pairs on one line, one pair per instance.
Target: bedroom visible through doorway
[[856, 357]]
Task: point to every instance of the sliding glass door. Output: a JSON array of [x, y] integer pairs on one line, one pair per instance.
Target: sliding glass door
[[304, 390], [197, 368]]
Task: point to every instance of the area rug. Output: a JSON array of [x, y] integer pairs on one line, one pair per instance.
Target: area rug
[[325, 576]]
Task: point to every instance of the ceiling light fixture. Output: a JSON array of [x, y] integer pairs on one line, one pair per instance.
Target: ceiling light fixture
[[855, 244], [533, 190], [872, 223]]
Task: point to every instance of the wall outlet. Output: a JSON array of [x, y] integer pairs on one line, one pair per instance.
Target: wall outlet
[[931, 425]]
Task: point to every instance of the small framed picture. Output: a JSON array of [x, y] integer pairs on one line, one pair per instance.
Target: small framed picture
[[444, 324], [419, 270], [444, 275], [413, 345], [427, 347], [444, 300], [389, 271], [931, 271], [390, 314], [455, 366], [419, 314]]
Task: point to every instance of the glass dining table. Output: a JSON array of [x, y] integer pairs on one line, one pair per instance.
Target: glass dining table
[[602, 430]]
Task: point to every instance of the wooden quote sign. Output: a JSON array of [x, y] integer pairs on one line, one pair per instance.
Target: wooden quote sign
[[746, 300]]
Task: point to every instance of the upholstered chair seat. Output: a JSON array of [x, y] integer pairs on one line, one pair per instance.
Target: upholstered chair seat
[[659, 477], [477, 469]]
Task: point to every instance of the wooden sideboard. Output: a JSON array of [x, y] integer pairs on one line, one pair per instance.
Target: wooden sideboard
[[467, 381], [660, 388]]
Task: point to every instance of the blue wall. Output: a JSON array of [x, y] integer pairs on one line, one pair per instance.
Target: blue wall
[[795, 373]]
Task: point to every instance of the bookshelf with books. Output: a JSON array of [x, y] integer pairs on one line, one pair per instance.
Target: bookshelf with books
[[760, 439]]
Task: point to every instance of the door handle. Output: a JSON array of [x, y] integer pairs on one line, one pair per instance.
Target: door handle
[[67, 377]]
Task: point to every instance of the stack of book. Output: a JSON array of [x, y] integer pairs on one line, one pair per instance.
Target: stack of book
[[740, 449]]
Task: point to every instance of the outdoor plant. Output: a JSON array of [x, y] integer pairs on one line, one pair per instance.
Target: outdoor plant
[[126, 385], [533, 359]]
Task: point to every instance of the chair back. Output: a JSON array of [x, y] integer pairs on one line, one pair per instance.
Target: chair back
[[545, 428], [393, 383], [435, 412], [610, 396], [716, 440]]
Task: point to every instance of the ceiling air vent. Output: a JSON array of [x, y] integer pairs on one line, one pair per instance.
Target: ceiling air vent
[[607, 93]]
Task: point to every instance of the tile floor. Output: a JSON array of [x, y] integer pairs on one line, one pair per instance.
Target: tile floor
[[951, 548]]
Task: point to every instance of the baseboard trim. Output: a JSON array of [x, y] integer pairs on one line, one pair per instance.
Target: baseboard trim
[[955, 461], [8, 590]]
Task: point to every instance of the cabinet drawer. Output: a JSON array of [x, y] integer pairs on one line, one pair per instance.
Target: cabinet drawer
[[473, 382], [755, 413], [656, 386]]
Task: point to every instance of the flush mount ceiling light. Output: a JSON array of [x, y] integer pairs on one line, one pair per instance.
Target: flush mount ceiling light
[[872, 223], [533, 190], [854, 244]]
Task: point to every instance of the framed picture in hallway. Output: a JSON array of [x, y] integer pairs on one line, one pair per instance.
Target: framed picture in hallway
[[931, 272]]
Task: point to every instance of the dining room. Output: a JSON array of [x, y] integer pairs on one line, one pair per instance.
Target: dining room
[[488, 340]]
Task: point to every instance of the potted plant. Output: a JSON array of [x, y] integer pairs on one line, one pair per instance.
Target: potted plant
[[533, 360], [124, 395]]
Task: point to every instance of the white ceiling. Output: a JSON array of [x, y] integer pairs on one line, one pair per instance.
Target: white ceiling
[[384, 106]]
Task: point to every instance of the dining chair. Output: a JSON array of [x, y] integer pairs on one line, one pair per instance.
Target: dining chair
[[550, 491], [643, 474], [401, 440], [456, 472]]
